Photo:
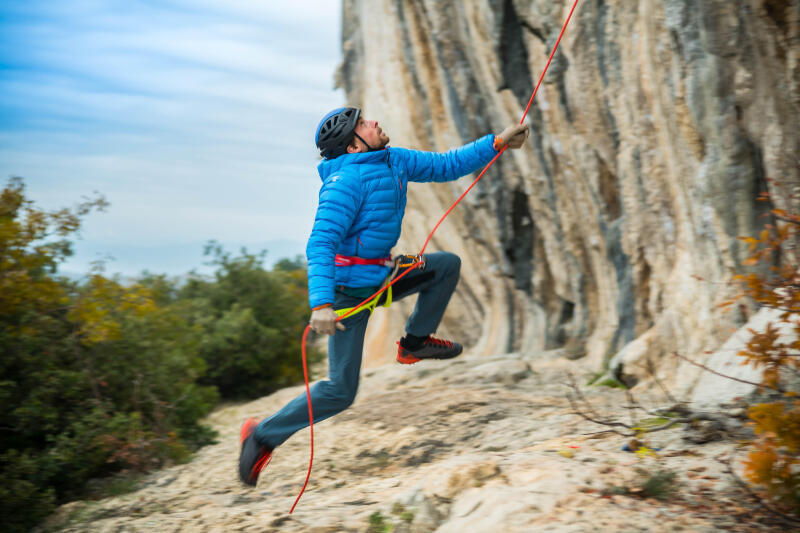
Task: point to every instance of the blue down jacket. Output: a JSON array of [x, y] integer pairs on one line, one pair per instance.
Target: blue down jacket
[[361, 207]]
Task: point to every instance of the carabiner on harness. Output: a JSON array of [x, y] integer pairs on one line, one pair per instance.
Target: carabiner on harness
[[404, 261]]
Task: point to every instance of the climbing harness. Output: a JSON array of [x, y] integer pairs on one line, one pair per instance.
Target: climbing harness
[[399, 262], [417, 261]]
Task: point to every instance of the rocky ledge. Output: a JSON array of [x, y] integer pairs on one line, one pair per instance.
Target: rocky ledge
[[473, 444]]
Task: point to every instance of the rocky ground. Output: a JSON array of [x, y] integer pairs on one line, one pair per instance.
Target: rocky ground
[[474, 444]]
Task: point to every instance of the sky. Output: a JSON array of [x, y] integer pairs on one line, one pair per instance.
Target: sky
[[194, 118]]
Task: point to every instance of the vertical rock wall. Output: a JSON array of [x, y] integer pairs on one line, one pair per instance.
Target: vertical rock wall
[[657, 125]]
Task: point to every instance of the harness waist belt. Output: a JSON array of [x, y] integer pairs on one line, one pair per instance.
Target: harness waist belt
[[345, 260]]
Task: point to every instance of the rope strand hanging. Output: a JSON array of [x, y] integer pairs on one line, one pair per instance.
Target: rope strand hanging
[[414, 265]]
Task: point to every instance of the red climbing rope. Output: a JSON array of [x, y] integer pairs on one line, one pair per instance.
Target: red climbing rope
[[533, 95], [424, 246], [305, 372]]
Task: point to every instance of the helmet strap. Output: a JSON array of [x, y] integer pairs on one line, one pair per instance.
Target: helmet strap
[[370, 148]]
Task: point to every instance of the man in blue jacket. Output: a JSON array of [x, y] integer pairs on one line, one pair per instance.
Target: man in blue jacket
[[358, 221]]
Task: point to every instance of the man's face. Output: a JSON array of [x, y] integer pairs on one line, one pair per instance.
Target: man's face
[[370, 132]]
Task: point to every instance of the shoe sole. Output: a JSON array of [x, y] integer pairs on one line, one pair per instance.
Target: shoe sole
[[410, 359], [407, 359], [250, 477]]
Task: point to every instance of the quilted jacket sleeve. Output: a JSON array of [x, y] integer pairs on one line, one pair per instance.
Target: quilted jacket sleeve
[[339, 201], [450, 165]]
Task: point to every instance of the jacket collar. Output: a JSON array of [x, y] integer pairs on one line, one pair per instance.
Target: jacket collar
[[327, 167]]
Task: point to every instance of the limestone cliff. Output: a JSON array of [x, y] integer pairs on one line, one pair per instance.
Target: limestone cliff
[[657, 125]]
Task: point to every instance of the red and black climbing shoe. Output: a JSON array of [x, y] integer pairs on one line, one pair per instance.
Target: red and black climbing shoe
[[253, 457], [432, 348]]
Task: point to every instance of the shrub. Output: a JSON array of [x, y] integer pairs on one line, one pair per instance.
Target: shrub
[[773, 464], [101, 380], [252, 321], [97, 377]]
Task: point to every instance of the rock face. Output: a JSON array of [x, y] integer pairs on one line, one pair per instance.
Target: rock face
[[657, 125]]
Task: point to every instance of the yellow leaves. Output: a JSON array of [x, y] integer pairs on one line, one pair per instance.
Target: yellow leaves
[[25, 228], [100, 308], [780, 421], [774, 462], [767, 417], [728, 303], [758, 467], [774, 470], [772, 238], [21, 293], [644, 451], [771, 377], [27, 286]]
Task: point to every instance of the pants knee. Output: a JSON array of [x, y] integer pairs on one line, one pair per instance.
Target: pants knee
[[342, 398], [343, 403], [452, 262]]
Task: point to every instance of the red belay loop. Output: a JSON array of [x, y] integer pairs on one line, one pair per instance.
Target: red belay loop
[[413, 265], [347, 260]]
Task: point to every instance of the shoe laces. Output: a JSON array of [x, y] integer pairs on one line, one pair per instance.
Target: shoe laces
[[438, 342]]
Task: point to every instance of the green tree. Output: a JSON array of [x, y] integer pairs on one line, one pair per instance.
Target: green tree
[[253, 320], [97, 377]]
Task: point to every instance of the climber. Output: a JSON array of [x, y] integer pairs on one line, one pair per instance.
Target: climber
[[361, 207]]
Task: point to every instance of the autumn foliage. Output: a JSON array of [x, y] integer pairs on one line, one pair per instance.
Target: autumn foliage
[[773, 464]]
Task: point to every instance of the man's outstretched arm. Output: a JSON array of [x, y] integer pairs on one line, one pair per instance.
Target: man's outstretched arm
[[451, 165]]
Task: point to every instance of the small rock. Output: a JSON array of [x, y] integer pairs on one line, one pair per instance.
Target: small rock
[[474, 476], [737, 412], [703, 431], [575, 349], [280, 520], [507, 372], [426, 517]]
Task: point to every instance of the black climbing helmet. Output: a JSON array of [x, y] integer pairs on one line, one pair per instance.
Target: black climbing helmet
[[335, 131]]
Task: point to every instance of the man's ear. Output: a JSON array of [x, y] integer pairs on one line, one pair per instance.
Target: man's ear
[[353, 148]]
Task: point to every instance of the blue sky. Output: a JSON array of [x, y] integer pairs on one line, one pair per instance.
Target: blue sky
[[194, 118]]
